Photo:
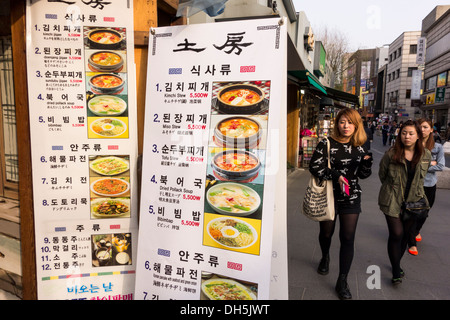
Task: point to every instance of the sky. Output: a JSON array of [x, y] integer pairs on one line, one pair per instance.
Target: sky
[[368, 24]]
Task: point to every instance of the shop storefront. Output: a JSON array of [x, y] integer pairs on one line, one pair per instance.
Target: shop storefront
[[318, 106]]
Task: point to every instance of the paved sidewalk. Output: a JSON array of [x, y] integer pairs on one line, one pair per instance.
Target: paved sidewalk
[[427, 275]]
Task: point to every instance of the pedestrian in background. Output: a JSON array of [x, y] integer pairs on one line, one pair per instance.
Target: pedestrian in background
[[437, 164], [436, 135], [447, 133], [385, 132], [392, 130], [402, 172], [349, 161], [369, 134]]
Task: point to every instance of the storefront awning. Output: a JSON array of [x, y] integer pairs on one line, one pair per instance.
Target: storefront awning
[[308, 79], [342, 96]]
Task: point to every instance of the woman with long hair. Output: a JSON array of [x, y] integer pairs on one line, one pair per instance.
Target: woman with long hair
[[402, 171], [437, 164], [349, 160]]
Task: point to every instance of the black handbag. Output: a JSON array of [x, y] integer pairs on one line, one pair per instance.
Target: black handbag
[[415, 210]]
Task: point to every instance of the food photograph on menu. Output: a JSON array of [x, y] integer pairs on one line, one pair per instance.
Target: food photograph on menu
[[111, 249], [247, 97], [106, 82], [110, 186], [219, 287], [236, 163]]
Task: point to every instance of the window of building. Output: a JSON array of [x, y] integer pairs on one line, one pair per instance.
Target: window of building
[[408, 94], [442, 79], [398, 73], [395, 55], [399, 51], [390, 57], [413, 49], [430, 83], [410, 71]]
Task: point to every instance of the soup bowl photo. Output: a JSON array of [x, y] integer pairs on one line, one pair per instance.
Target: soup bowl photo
[[105, 39], [105, 61], [233, 199], [107, 105], [237, 132], [236, 164], [240, 99], [106, 83]]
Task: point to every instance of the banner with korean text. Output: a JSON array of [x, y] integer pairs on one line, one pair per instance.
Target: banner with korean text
[[214, 125], [82, 101]]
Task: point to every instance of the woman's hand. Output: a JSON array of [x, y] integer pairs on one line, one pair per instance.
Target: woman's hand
[[368, 156], [342, 181]]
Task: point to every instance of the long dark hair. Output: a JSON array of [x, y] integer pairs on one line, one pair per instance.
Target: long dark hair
[[429, 144], [399, 147]]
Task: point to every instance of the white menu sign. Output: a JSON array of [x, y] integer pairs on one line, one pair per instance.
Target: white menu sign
[[215, 111], [81, 84]]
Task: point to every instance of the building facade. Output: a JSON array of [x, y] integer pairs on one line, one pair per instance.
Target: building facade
[[401, 63], [436, 92]]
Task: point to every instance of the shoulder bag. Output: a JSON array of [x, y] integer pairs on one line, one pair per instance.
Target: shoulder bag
[[413, 210], [318, 202]]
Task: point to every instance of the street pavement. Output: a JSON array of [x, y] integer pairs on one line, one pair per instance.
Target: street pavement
[[427, 275]]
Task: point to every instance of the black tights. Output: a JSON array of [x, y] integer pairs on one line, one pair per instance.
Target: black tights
[[398, 239], [347, 232]]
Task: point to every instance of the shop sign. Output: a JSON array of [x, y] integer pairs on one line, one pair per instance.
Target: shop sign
[[416, 84], [81, 85], [319, 60], [209, 197], [421, 45], [430, 98], [308, 39], [440, 95]]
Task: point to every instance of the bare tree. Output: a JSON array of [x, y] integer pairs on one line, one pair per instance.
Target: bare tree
[[336, 45]]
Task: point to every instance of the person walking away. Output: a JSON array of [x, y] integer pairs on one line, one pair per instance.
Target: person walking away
[[437, 164], [385, 132], [369, 134], [402, 172], [392, 129], [436, 135], [372, 127], [447, 133], [349, 160]]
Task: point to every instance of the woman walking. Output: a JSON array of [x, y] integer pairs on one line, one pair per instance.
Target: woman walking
[[402, 171], [437, 164], [349, 161]]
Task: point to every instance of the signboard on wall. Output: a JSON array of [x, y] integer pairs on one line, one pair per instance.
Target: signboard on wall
[[214, 163], [416, 84], [421, 47], [81, 84]]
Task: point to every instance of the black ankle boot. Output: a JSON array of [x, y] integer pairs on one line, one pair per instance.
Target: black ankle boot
[[342, 288], [324, 265]]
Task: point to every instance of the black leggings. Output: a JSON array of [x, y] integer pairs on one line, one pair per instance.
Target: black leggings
[[347, 232], [399, 232], [430, 192]]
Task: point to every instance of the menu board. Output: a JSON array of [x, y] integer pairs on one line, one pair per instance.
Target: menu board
[[214, 103], [81, 84]]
